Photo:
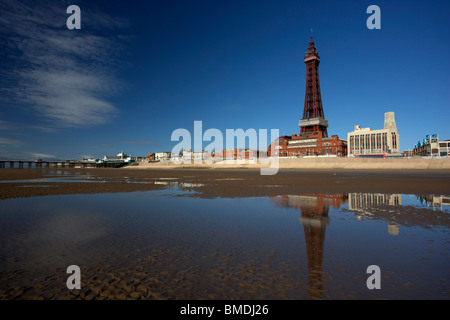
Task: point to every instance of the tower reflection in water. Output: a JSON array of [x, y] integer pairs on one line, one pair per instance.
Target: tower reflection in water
[[314, 218]]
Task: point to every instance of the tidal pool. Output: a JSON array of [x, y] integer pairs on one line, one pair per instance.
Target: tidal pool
[[168, 244]]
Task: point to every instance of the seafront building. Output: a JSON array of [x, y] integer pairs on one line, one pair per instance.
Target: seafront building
[[364, 142], [240, 154], [120, 157], [162, 156], [200, 156], [187, 155], [313, 139], [432, 147]]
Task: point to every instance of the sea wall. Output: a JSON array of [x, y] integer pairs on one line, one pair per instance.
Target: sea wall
[[365, 163], [317, 163]]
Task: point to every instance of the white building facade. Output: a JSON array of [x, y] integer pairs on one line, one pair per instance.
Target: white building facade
[[368, 142], [162, 156]]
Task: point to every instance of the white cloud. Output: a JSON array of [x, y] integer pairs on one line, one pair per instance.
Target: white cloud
[[69, 97], [65, 76], [41, 155], [6, 125], [10, 142], [17, 127], [8, 149]]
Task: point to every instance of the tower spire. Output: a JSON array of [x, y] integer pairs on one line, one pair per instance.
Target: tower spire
[[313, 120]]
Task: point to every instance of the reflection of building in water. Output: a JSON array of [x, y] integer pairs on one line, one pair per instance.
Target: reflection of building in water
[[360, 202], [434, 201], [312, 203], [393, 229], [314, 218]]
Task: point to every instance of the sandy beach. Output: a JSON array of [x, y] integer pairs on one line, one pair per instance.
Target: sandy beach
[[223, 182]]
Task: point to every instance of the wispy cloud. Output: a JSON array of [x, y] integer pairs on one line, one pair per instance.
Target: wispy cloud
[[43, 156], [8, 148], [7, 125], [140, 142], [15, 126], [65, 76], [10, 142]]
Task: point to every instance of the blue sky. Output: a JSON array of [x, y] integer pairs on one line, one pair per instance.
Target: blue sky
[[138, 70]]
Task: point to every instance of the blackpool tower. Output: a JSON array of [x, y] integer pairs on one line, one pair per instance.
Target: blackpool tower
[[313, 138], [313, 120]]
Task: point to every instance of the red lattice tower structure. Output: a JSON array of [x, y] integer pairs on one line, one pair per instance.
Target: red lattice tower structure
[[313, 121]]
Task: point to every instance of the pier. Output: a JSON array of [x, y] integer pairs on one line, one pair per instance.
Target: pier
[[60, 164]]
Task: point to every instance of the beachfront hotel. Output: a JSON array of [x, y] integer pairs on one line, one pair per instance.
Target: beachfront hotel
[[432, 147], [367, 142], [313, 139]]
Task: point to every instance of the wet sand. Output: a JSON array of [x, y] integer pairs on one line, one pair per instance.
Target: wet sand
[[185, 271], [224, 182]]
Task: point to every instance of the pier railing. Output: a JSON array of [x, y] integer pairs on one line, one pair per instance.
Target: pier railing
[[60, 164]]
